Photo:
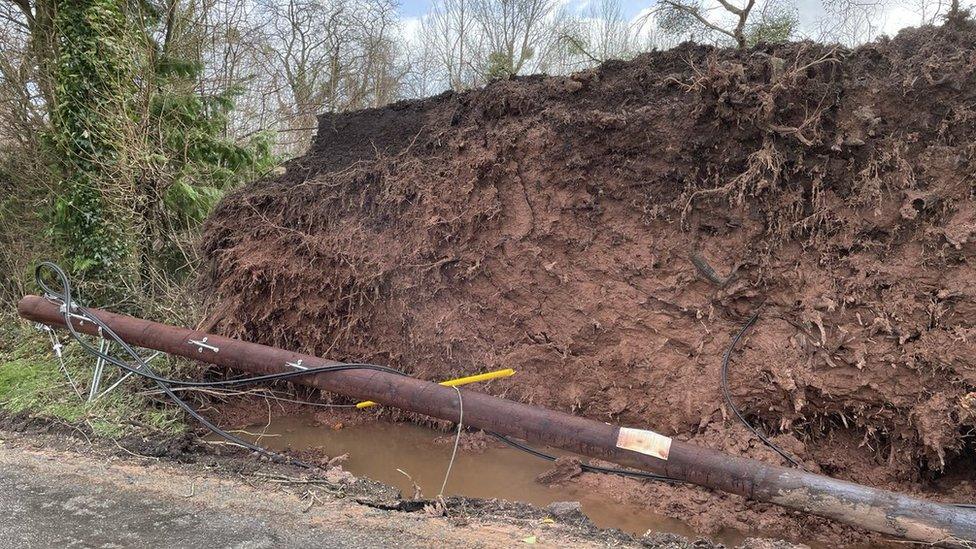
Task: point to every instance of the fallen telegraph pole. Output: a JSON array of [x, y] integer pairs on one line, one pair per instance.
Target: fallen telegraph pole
[[869, 508]]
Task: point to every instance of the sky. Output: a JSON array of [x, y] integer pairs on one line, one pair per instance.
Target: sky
[[416, 8], [898, 14]]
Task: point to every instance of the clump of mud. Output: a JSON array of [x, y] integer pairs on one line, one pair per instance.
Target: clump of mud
[[606, 234]]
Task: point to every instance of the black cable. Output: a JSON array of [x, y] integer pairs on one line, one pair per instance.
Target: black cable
[[728, 396], [167, 384], [584, 466], [728, 400]]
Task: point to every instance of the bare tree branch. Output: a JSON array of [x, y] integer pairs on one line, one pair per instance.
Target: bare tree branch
[[695, 12]]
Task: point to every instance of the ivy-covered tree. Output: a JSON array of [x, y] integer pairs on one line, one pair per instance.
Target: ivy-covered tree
[[91, 85], [142, 149]]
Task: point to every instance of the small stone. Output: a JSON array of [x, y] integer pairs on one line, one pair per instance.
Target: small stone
[[565, 510]]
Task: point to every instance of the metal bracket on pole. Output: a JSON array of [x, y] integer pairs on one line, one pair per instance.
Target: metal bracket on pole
[[57, 348], [202, 344], [125, 377], [81, 318], [103, 345]]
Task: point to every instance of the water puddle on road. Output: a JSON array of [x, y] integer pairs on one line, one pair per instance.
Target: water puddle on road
[[377, 450]]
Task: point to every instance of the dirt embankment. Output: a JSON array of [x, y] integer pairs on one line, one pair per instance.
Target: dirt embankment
[[607, 233]]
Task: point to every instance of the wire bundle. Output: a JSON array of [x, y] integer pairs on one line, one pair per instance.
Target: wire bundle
[[70, 310]]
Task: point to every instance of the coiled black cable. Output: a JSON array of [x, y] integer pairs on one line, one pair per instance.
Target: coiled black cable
[[728, 396]]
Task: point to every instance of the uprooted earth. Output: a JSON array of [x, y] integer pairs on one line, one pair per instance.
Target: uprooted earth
[[607, 233]]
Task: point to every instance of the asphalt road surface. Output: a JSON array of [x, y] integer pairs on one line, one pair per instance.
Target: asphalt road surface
[[55, 498]]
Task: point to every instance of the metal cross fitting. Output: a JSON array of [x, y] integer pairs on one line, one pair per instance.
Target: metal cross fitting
[[202, 344], [126, 376], [81, 318]]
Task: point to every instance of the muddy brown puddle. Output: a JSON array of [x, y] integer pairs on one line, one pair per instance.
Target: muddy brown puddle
[[380, 451]]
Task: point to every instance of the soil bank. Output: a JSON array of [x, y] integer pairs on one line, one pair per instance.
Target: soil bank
[[606, 234]]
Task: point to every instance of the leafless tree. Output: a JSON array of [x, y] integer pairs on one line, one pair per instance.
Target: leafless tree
[[25, 180], [379, 68], [305, 42], [326, 55], [422, 75], [21, 103], [930, 12], [473, 41], [852, 22], [679, 15], [451, 34], [599, 33], [613, 36], [514, 31]]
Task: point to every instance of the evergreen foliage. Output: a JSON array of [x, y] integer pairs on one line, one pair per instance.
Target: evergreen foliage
[[142, 153]]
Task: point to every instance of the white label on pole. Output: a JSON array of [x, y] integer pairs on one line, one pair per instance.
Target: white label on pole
[[645, 442]]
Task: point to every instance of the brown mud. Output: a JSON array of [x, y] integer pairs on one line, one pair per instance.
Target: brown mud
[[414, 459], [53, 470], [607, 233]]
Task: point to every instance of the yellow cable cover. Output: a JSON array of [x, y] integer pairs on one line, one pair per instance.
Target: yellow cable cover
[[497, 374]]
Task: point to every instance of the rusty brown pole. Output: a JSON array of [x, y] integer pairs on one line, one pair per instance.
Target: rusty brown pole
[[869, 508]]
